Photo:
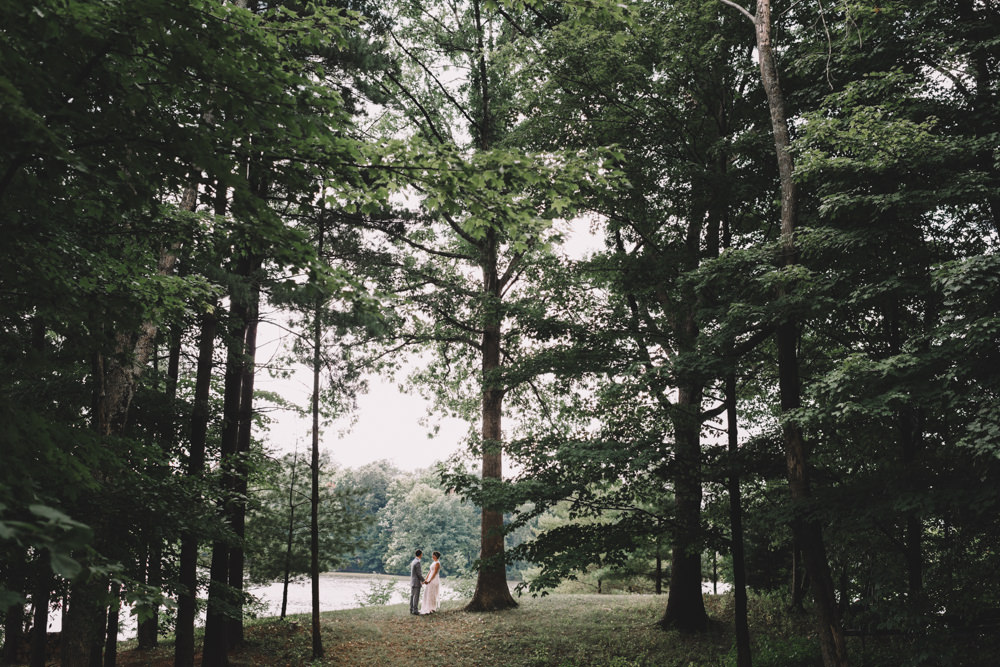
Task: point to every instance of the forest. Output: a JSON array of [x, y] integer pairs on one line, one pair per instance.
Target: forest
[[776, 357]]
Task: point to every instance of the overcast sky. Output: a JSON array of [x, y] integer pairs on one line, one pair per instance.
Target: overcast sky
[[387, 422]]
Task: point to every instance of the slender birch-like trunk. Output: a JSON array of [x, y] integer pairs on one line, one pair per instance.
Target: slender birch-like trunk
[[808, 532], [317, 638]]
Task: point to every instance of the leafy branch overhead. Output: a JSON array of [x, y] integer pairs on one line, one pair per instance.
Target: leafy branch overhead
[[713, 285], [511, 192]]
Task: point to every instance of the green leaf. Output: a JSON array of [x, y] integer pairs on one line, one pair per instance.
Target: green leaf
[[64, 565]]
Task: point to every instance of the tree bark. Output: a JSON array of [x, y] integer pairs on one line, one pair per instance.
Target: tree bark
[[215, 648], [220, 599], [82, 623], [317, 637], [184, 645], [243, 439], [40, 622], [97, 646], [111, 635], [685, 603], [117, 377], [148, 629], [659, 567], [492, 592], [808, 531], [742, 626], [291, 534], [13, 627], [799, 582]]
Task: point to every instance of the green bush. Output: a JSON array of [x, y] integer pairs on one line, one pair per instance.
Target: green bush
[[782, 652], [379, 594]]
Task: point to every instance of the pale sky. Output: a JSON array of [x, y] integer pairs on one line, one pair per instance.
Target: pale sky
[[387, 422]]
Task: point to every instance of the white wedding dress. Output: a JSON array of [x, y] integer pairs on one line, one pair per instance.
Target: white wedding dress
[[430, 601]]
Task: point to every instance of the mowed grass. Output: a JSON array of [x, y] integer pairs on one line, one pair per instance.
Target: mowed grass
[[568, 630], [560, 630], [557, 630]]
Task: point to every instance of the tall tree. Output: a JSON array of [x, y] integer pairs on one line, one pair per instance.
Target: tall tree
[[892, 199], [807, 531], [184, 641], [477, 229], [104, 70], [317, 358], [659, 81]]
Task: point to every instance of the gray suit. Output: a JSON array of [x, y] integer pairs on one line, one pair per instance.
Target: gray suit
[[416, 581]]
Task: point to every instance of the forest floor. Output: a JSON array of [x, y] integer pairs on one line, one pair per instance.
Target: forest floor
[[557, 630], [563, 630]]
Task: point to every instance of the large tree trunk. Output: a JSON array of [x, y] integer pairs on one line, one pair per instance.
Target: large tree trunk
[[736, 522], [147, 631], [116, 379], [220, 601], [83, 622], [317, 638], [492, 592], [808, 531], [798, 582], [685, 604], [40, 599], [97, 647], [184, 645], [15, 571], [243, 439], [151, 561], [111, 635]]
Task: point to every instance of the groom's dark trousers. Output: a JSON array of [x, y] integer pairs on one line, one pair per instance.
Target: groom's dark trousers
[[416, 581]]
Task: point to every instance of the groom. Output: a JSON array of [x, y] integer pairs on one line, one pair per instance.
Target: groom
[[416, 580]]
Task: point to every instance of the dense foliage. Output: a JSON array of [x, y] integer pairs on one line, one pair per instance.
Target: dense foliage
[[395, 175]]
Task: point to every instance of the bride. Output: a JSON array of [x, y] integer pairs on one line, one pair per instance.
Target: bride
[[430, 602]]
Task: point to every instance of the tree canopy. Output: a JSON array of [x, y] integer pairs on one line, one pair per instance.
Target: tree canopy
[[777, 354]]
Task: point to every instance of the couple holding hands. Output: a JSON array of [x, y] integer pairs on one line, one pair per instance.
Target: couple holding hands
[[432, 582]]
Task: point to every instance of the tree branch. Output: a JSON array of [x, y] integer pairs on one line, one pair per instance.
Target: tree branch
[[437, 81], [753, 19], [713, 412], [426, 114], [509, 276], [461, 232], [439, 253]]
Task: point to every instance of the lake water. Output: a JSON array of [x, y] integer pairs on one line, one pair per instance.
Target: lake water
[[336, 591]]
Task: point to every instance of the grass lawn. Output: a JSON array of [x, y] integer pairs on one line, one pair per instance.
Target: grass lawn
[[558, 630], [571, 630]]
